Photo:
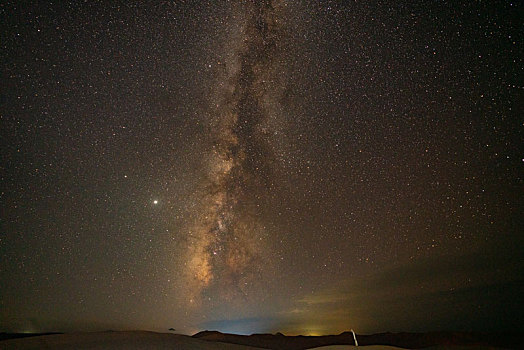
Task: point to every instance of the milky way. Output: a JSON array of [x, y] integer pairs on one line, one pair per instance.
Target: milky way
[[227, 241], [261, 166]]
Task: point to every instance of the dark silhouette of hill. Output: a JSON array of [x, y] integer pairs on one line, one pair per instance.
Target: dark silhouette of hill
[[405, 340]]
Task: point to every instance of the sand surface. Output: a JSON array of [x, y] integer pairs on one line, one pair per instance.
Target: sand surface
[[384, 347], [117, 340], [151, 340], [351, 347]]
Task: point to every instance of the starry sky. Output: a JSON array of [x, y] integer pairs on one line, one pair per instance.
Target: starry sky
[[259, 166]]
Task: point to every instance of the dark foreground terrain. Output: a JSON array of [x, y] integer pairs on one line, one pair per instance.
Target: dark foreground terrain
[[5, 336], [403, 340], [220, 341]]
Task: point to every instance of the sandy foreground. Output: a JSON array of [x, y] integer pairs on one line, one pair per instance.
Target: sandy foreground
[[141, 340], [151, 340], [385, 347], [351, 347], [117, 340]]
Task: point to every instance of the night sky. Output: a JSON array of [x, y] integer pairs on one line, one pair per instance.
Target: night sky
[[259, 166]]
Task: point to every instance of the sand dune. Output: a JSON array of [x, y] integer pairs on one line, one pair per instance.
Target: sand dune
[[385, 347], [352, 347], [214, 341], [117, 340], [345, 340]]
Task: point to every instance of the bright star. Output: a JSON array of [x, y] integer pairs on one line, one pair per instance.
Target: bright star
[[155, 202]]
